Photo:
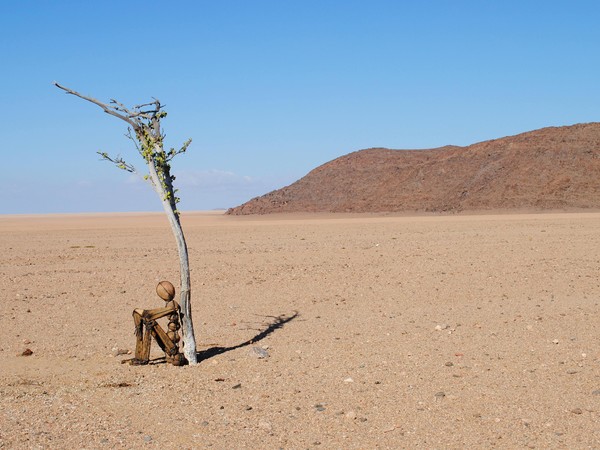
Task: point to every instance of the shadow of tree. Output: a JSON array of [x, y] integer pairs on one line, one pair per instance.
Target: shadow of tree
[[277, 323]]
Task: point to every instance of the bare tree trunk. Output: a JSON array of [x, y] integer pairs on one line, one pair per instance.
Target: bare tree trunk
[[189, 339]]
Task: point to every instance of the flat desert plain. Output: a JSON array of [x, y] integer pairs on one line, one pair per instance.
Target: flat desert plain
[[314, 331]]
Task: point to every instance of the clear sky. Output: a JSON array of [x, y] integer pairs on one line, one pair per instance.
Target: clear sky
[[270, 89]]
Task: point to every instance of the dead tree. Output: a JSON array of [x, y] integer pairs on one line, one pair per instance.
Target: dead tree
[[145, 131]]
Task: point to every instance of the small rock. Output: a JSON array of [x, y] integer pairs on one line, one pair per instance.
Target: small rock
[[571, 371], [319, 407], [116, 351], [26, 341], [443, 326], [348, 380], [596, 392], [237, 386], [577, 411], [265, 425], [147, 438], [258, 352], [351, 415], [449, 364], [555, 341], [27, 352]]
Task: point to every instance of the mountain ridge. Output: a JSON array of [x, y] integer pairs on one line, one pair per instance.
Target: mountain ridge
[[548, 168]]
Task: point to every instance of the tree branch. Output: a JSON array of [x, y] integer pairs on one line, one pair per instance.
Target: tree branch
[[129, 136], [172, 152], [107, 109], [119, 162]]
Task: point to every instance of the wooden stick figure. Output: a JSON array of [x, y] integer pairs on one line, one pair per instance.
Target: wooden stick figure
[[147, 327]]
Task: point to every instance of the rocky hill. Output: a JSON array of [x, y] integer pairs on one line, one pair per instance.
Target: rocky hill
[[550, 168]]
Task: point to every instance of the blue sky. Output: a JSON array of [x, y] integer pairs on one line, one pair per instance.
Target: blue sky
[[269, 90]]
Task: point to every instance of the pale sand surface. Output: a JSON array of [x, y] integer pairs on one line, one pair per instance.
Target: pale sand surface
[[514, 361]]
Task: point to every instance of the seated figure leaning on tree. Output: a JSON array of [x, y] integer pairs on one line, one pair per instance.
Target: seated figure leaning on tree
[[147, 327]]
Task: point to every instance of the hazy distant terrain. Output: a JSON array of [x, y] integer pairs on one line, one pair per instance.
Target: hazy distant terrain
[[549, 168]]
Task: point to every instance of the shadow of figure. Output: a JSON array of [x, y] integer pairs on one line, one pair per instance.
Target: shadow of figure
[[278, 322]]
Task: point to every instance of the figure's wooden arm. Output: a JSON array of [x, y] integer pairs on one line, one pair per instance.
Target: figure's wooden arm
[[153, 314]]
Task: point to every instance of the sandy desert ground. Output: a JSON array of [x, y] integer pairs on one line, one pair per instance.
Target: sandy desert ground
[[470, 331]]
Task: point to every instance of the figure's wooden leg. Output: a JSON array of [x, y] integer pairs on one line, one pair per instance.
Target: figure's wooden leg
[[172, 354], [143, 336], [145, 351], [139, 331], [163, 342]]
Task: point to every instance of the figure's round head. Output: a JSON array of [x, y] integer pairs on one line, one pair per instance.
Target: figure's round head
[[165, 290]]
